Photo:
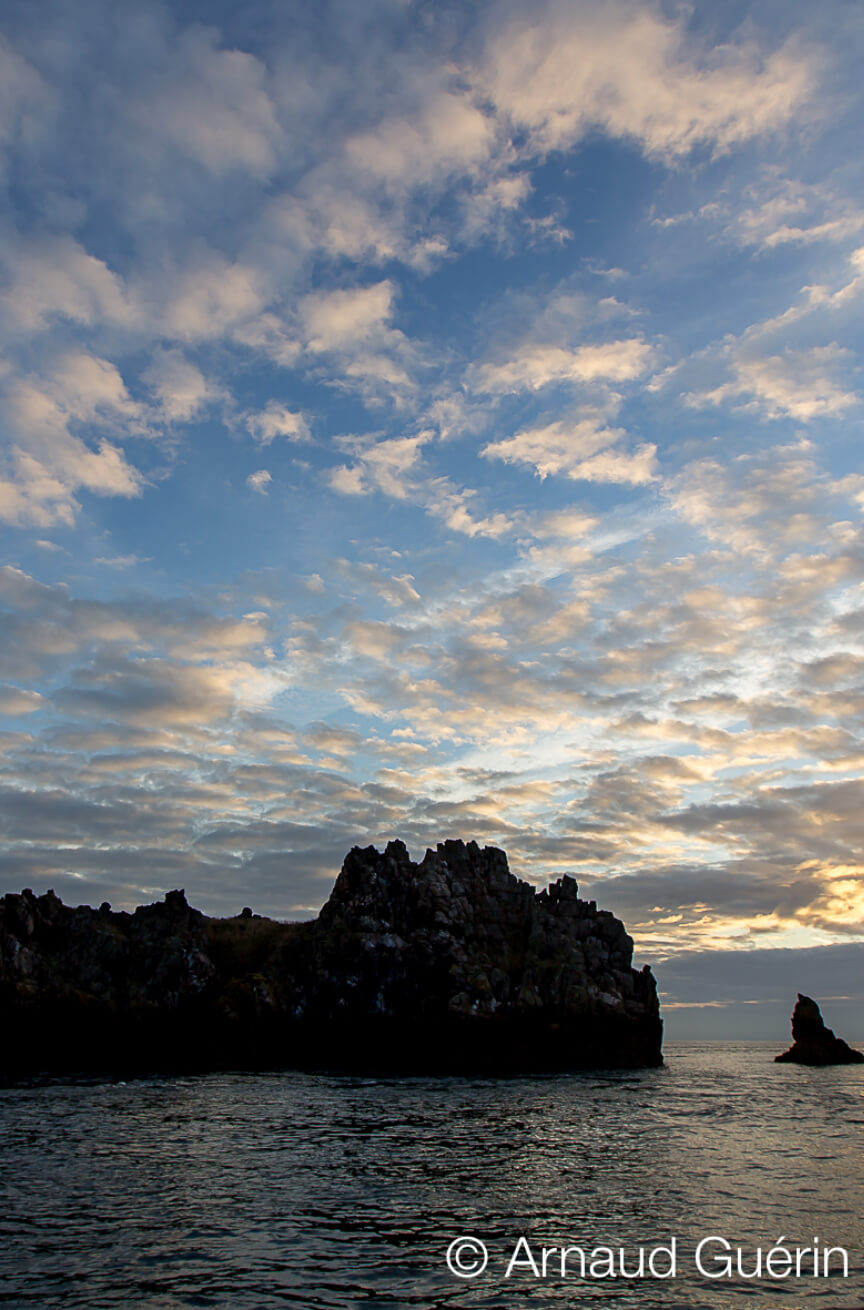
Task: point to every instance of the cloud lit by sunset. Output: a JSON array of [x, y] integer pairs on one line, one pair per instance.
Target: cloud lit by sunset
[[426, 422]]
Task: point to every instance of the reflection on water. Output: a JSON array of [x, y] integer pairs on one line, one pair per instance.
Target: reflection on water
[[256, 1191]]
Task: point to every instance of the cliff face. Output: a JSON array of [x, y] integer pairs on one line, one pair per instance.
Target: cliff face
[[448, 965], [812, 1041]]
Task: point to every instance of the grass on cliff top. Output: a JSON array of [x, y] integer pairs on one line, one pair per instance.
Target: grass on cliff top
[[241, 945]]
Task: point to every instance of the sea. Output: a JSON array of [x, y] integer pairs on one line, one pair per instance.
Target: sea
[[250, 1191]]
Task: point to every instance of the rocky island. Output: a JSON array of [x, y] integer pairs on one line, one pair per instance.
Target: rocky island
[[812, 1042], [449, 965]]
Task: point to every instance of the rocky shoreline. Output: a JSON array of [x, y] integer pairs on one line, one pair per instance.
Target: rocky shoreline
[[450, 965]]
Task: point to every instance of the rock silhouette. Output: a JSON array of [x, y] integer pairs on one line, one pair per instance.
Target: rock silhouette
[[449, 965], [813, 1043]]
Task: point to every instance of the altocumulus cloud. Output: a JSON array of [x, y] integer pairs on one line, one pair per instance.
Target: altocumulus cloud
[[548, 350]]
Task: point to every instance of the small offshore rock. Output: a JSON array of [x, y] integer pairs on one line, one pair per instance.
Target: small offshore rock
[[813, 1043]]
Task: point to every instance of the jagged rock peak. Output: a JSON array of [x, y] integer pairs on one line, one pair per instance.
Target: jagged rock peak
[[813, 1042], [460, 879], [452, 866], [457, 935]]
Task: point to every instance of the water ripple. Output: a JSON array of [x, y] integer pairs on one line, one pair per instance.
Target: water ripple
[[254, 1191]]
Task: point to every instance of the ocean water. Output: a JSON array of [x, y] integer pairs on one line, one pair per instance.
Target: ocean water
[[253, 1191]]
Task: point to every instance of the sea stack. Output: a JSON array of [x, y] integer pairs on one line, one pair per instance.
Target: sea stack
[[813, 1043], [450, 965]]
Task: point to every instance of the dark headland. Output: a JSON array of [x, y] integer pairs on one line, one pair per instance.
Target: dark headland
[[812, 1042], [450, 965]]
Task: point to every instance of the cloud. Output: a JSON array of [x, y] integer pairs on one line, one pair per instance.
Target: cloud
[[758, 503], [506, 699], [491, 205], [33, 495], [53, 278], [348, 480], [16, 700], [538, 366], [260, 481], [30, 495], [210, 105], [51, 462], [155, 692], [338, 319], [26, 102], [179, 386], [397, 590], [352, 324], [46, 623], [380, 465], [119, 561], [799, 384], [448, 134], [208, 297], [781, 366], [583, 449], [276, 420], [781, 210], [631, 73], [850, 289], [240, 233], [454, 504], [568, 523], [333, 740], [395, 468], [338, 220]]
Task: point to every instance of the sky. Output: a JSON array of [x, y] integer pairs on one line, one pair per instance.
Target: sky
[[434, 420]]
